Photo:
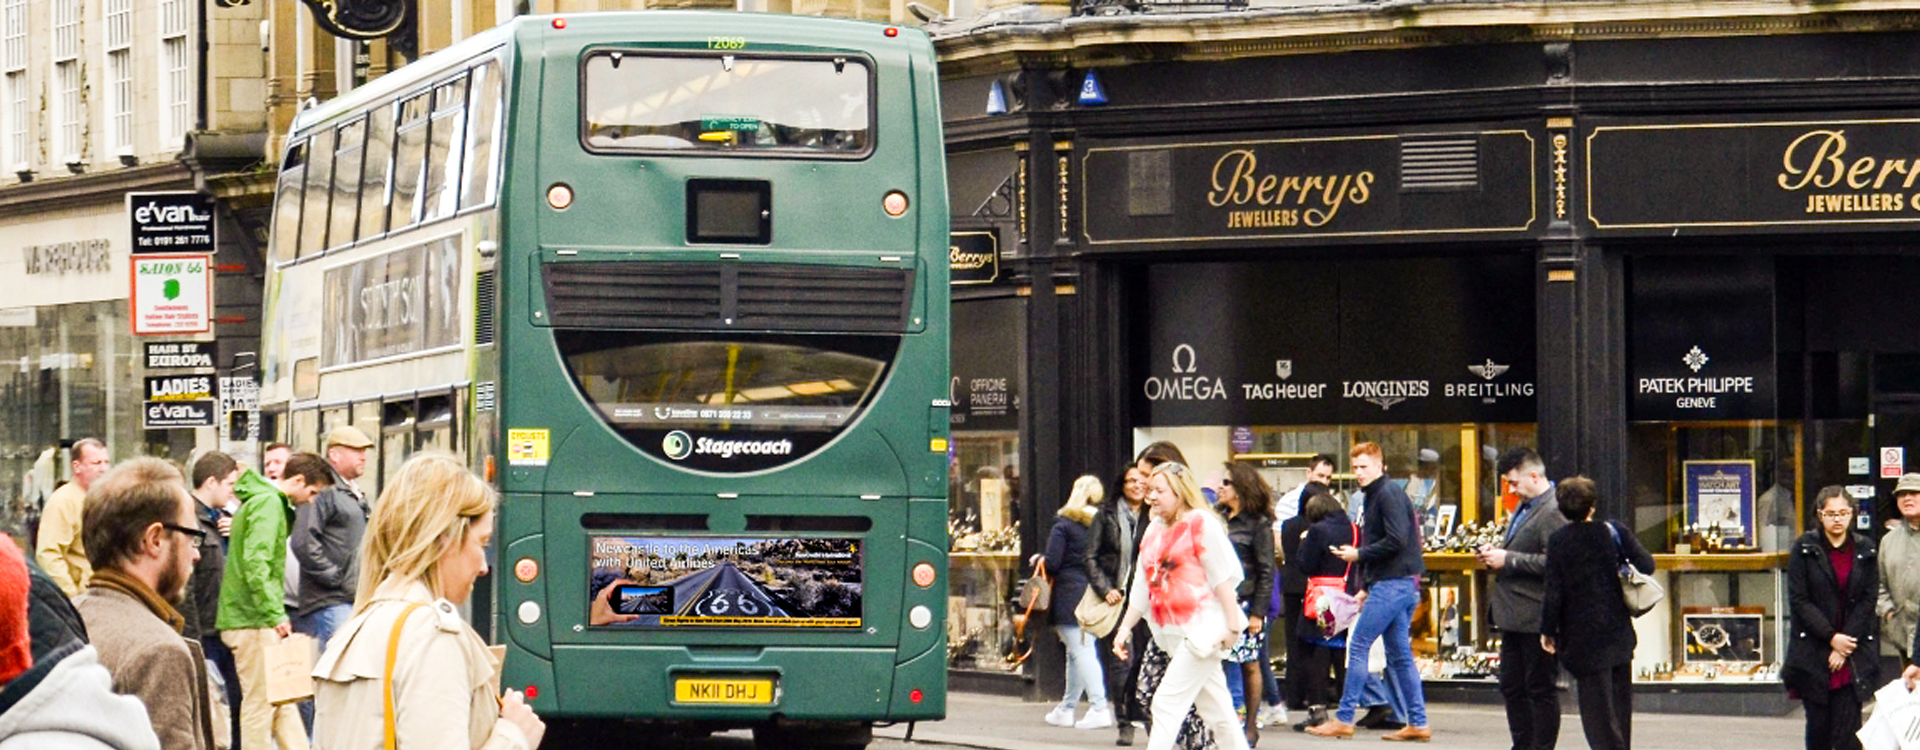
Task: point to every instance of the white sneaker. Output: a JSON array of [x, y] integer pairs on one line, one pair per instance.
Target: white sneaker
[[1061, 716], [1271, 716], [1097, 718]]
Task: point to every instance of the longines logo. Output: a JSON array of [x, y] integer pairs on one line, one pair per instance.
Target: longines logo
[[1385, 393]]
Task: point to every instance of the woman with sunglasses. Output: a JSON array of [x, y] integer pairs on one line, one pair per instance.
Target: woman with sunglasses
[[1833, 659], [1246, 502], [1185, 585]]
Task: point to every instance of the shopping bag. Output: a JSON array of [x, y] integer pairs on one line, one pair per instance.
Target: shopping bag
[[1895, 724], [290, 670], [1096, 616]]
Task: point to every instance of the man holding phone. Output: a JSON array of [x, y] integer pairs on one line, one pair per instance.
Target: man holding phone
[[1390, 568]]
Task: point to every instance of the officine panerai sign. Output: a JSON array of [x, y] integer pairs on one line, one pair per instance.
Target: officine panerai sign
[[1736, 176], [1158, 194]]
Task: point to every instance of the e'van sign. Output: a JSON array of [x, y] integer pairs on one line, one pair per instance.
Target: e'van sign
[[171, 222]]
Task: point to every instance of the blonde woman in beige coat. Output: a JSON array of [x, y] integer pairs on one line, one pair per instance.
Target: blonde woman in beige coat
[[425, 544]]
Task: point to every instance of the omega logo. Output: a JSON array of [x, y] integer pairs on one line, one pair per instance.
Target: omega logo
[[1186, 385]]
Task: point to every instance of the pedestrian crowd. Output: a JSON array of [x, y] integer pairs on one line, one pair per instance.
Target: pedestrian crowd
[[162, 594], [1216, 576]]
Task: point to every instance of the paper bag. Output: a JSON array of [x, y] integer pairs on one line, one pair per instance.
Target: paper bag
[[290, 670]]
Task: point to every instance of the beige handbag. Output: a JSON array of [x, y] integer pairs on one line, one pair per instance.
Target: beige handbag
[[1096, 616]]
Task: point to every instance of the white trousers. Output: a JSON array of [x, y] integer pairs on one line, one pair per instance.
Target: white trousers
[[1197, 682]]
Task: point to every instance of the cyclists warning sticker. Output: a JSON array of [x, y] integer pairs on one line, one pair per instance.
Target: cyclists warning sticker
[[526, 447]]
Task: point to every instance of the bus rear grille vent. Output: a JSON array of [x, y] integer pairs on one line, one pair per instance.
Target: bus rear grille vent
[[1440, 164], [484, 300], [713, 296]]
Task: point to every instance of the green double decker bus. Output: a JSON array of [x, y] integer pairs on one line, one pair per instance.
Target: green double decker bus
[[676, 282]]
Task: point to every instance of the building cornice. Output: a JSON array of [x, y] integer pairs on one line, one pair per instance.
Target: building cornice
[[1093, 41], [51, 194]]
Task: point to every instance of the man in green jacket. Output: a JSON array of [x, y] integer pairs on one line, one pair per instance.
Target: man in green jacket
[[252, 613]]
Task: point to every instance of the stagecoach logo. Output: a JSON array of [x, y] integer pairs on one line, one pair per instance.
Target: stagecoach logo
[[677, 445]]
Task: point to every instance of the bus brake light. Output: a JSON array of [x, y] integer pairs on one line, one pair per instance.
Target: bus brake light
[[923, 575], [559, 23], [915, 695], [895, 203], [892, 31]]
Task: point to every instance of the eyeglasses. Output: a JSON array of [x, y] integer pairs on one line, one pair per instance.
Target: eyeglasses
[[196, 535], [1835, 513]]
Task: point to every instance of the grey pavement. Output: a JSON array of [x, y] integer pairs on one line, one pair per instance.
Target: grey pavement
[[1001, 723]]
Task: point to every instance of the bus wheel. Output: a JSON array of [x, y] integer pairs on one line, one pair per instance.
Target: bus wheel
[[833, 736]]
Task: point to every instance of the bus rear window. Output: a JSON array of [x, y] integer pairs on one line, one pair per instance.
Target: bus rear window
[[728, 103], [754, 383]]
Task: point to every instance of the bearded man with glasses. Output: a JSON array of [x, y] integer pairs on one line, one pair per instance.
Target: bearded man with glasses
[[142, 538]]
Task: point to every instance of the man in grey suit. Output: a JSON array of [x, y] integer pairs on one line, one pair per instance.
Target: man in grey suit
[[1519, 567]]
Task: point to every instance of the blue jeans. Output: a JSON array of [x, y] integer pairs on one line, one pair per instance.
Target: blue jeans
[[321, 623], [1236, 683], [1083, 669], [1379, 693], [1387, 614]]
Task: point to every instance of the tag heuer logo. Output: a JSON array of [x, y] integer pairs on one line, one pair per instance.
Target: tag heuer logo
[[1283, 368], [1489, 370], [677, 445]]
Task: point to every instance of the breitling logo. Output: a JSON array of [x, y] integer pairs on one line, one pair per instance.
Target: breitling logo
[[1489, 370]]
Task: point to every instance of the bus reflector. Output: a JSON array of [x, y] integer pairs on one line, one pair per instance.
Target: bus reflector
[[533, 691], [939, 445], [920, 617], [915, 695], [923, 575], [895, 203], [526, 570]]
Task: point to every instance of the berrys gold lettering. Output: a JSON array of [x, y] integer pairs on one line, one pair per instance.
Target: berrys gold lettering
[[1237, 181], [1818, 160]]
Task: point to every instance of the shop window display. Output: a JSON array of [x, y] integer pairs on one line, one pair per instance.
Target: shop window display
[[983, 533]]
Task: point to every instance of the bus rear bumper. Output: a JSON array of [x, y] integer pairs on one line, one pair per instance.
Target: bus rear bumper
[[730, 686]]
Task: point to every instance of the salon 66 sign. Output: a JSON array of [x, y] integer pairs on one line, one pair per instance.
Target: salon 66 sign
[[172, 294]]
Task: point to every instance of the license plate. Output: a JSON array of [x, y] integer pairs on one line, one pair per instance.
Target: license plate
[[706, 690]]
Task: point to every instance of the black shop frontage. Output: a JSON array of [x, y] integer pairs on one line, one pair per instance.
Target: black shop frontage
[[1683, 277]]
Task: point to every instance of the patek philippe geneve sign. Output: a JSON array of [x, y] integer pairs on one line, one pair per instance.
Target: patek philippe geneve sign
[[1862, 174], [1158, 194]]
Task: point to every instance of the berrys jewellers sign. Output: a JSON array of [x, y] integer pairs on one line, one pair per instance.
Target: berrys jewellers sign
[[1368, 342]]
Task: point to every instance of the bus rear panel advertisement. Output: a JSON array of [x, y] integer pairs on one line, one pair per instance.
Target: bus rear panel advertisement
[[679, 582]]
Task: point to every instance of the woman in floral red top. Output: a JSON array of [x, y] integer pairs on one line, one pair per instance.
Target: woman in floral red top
[[1184, 585]]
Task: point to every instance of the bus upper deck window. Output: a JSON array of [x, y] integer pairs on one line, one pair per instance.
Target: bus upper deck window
[[735, 103]]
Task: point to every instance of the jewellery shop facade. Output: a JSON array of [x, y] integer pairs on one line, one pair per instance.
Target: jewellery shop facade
[[1695, 293]]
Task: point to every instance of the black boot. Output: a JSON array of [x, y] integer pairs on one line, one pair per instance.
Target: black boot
[[1126, 734], [1377, 718], [1316, 715]]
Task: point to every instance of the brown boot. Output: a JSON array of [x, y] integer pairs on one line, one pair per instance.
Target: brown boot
[[1332, 728], [1410, 734]]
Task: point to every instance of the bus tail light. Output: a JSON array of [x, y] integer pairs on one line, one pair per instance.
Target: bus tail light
[[923, 574], [560, 196], [894, 31], [895, 203], [915, 695], [559, 23], [526, 569], [532, 691]]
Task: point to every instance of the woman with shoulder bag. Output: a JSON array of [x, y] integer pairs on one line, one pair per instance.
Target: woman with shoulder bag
[[1186, 578], [1246, 502], [1321, 672], [1584, 617], [1833, 658], [425, 544], [1067, 556]]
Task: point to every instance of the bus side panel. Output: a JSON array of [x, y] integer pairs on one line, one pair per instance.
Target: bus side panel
[[922, 656]]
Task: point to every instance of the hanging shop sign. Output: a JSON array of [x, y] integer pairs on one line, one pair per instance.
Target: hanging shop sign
[[172, 294], [168, 415], [169, 355], [1645, 178], [171, 222], [181, 388], [973, 258], [1158, 194], [394, 304], [1702, 346], [1390, 341]]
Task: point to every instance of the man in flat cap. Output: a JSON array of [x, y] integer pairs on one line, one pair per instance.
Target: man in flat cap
[[326, 539], [1899, 605]]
